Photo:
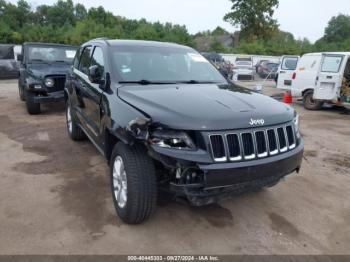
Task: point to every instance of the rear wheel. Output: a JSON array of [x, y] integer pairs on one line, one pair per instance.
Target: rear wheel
[[21, 92], [32, 107], [133, 183], [310, 103], [74, 131]]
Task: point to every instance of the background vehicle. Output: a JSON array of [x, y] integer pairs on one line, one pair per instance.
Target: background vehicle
[[322, 77], [43, 72], [268, 69], [243, 70], [257, 66], [286, 70], [244, 59], [8, 65], [161, 114]]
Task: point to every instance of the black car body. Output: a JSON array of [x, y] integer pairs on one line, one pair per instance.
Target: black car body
[[198, 139], [43, 73]]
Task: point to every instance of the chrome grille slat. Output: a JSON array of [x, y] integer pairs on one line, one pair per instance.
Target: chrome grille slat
[[252, 144], [218, 148]]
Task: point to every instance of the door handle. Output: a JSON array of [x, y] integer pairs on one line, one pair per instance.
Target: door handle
[[282, 72], [329, 77]]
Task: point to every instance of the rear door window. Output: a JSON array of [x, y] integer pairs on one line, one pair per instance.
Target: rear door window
[[290, 63], [85, 60], [331, 64]]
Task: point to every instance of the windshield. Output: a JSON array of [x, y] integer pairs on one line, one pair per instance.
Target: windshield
[[162, 64], [51, 54], [272, 66]]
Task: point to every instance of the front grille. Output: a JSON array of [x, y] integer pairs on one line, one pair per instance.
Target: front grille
[[244, 77], [60, 82], [252, 144], [218, 148]]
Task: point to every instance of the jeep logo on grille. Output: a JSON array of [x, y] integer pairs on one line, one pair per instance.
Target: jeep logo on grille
[[256, 122]]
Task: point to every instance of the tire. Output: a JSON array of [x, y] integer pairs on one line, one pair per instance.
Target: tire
[[32, 107], [310, 103], [134, 193], [74, 131], [21, 92]]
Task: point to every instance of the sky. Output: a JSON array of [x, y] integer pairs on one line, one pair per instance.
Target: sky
[[303, 18]]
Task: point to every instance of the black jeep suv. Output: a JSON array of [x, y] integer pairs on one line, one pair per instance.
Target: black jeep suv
[[166, 119], [43, 72]]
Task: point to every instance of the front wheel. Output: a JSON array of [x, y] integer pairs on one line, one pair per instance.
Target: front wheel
[[32, 107], [310, 103], [133, 183]]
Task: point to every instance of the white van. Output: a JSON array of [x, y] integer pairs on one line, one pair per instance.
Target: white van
[[286, 70], [319, 78]]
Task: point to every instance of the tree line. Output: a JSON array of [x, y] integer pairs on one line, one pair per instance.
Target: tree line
[[260, 33], [68, 23]]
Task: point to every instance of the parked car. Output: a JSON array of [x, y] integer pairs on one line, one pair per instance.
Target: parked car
[[257, 66], [9, 68], [268, 69], [243, 70], [244, 59], [215, 58], [322, 77], [43, 72], [165, 118]]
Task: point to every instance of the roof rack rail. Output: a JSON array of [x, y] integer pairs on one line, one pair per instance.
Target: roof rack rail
[[101, 38]]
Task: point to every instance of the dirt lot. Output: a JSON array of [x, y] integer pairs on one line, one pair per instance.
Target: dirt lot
[[55, 198]]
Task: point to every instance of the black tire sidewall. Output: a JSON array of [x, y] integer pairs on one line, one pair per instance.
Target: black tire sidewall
[[32, 107], [122, 212], [141, 183], [76, 134], [306, 99]]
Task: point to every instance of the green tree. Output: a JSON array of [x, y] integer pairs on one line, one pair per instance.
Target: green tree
[[255, 17], [217, 46], [219, 31], [338, 29]]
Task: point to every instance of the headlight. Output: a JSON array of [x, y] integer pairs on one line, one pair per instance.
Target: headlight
[[296, 125], [172, 139], [49, 82]]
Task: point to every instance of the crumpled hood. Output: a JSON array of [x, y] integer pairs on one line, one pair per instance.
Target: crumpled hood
[[205, 106], [40, 70]]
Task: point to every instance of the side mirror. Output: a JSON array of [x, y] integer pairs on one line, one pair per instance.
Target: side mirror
[[95, 74]]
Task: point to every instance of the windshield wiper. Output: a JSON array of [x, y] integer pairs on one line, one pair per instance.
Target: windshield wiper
[[198, 82], [37, 60], [147, 82], [60, 61]]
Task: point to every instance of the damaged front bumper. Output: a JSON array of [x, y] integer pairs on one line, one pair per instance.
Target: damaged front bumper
[[223, 179]]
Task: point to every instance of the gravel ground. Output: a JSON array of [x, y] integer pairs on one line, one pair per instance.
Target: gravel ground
[[55, 197]]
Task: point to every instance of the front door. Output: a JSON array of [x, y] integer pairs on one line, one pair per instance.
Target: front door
[[89, 94], [330, 77], [286, 70]]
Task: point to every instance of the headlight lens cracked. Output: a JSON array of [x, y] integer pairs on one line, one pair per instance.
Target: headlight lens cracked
[[172, 139]]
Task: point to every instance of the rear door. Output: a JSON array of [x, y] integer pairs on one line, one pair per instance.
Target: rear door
[[330, 77], [286, 70]]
